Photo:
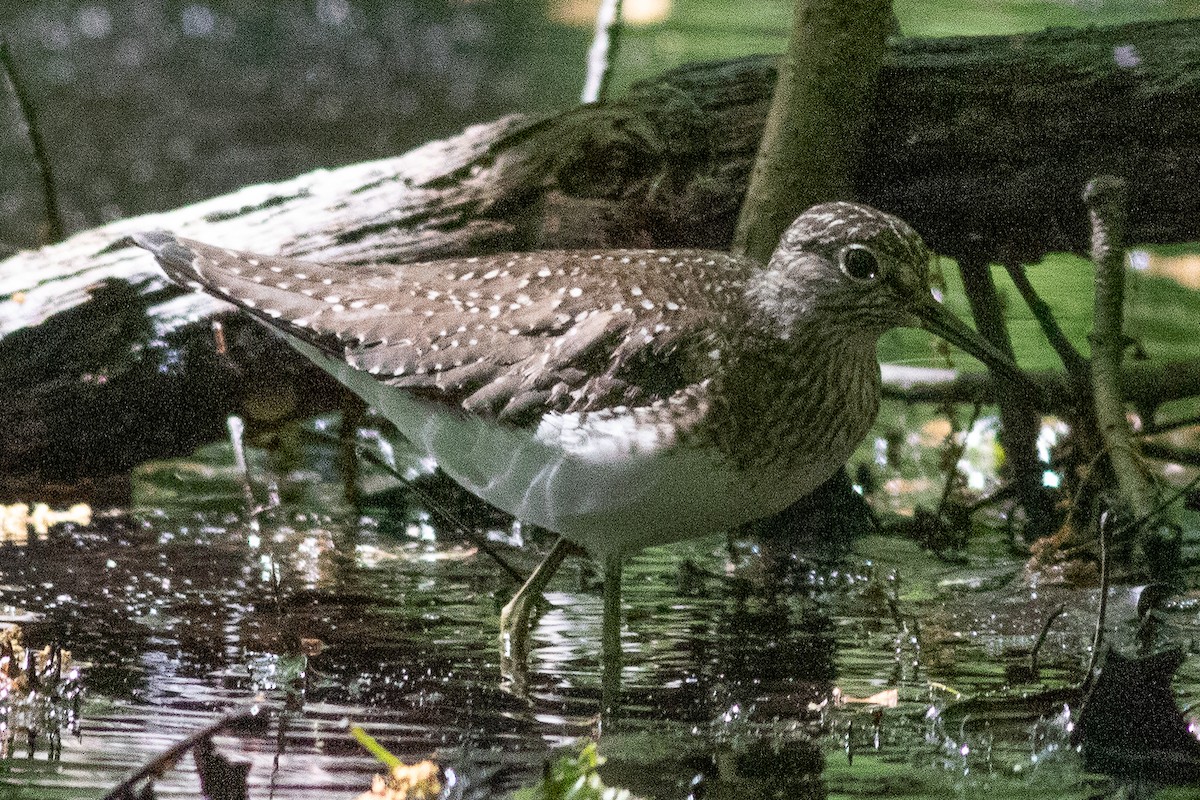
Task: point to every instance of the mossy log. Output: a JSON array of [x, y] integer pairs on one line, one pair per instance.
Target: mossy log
[[982, 143]]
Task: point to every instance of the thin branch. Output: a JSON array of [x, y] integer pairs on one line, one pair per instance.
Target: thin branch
[[239, 723], [1090, 474], [1101, 612], [605, 44], [55, 231], [1140, 382], [1105, 197], [952, 474], [1041, 639], [1075, 364], [1162, 506]]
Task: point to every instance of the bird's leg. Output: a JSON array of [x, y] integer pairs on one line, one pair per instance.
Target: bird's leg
[[514, 617], [610, 638]]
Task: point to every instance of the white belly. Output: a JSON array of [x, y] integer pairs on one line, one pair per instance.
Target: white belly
[[605, 495]]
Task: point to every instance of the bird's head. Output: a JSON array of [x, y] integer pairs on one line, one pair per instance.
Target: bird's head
[[863, 271], [844, 264]]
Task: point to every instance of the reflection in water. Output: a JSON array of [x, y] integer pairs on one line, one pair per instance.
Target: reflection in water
[[39, 697], [17, 520], [734, 659]]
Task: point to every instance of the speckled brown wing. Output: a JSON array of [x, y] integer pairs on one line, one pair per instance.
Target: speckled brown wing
[[508, 336]]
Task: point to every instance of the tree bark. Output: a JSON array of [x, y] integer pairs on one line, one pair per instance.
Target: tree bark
[[819, 108], [982, 143]]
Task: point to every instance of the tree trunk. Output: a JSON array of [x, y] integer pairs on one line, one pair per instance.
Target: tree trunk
[[982, 143]]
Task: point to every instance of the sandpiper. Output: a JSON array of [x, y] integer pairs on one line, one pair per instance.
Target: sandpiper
[[621, 398]]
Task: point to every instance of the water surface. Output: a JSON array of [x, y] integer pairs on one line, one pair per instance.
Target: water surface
[[731, 650]]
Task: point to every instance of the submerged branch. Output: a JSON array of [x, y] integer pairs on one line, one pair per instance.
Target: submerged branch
[[244, 722]]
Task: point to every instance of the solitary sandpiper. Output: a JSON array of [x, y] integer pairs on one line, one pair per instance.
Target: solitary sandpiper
[[621, 398]]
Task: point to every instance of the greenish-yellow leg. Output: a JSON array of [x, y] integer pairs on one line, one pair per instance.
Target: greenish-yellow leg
[[610, 639], [514, 618], [514, 624]]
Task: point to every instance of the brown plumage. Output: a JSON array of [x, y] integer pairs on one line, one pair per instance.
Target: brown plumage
[[619, 397], [503, 336]]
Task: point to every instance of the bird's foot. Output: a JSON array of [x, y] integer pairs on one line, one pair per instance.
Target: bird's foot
[[514, 626], [514, 644]]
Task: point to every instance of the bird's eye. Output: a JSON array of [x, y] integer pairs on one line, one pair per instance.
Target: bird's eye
[[860, 263]]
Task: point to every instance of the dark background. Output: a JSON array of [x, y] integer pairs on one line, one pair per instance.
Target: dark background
[[151, 105]]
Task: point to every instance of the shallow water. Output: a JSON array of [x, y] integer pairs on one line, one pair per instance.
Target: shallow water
[[730, 650], [749, 663]]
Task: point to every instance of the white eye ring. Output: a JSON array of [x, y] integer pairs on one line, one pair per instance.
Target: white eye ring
[[860, 262]]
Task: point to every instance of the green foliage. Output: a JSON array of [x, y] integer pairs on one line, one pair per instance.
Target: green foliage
[[1160, 315], [983, 17], [573, 778], [373, 746]]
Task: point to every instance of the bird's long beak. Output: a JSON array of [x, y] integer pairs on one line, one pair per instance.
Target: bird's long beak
[[937, 320]]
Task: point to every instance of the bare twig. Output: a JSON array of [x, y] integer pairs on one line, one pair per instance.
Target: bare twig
[[1041, 639], [1075, 364], [1098, 637], [952, 472], [1074, 509], [1145, 519], [605, 43], [55, 231], [1105, 198], [1161, 507]]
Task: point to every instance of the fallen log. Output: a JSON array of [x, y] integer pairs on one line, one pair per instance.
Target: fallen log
[[982, 143]]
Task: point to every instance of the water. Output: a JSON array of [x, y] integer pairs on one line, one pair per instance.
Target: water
[[808, 668], [734, 657]]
